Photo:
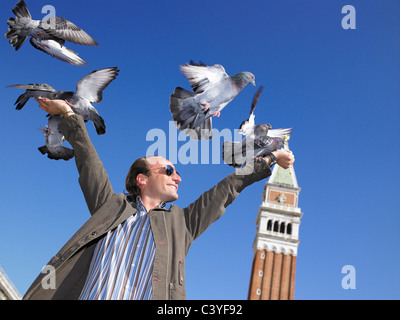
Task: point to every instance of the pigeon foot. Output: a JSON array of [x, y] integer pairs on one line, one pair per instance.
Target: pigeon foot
[[205, 105], [216, 113], [41, 34], [44, 130]]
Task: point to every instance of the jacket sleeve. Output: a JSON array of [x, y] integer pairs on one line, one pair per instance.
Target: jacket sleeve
[[210, 206], [93, 178]]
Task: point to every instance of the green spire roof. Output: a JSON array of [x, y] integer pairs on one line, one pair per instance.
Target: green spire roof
[[284, 177]]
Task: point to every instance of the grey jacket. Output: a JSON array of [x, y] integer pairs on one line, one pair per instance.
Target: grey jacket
[[174, 230]]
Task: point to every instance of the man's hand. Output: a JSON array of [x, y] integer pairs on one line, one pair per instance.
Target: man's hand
[[56, 106], [284, 158]]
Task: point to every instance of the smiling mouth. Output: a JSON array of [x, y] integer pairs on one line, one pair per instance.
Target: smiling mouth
[[173, 187]]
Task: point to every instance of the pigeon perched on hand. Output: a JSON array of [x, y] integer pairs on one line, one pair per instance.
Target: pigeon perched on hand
[[54, 139], [89, 90], [259, 140], [48, 35], [213, 90]]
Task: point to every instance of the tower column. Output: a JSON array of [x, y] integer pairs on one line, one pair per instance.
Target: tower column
[[258, 267], [267, 279], [286, 276], [276, 276], [292, 278]]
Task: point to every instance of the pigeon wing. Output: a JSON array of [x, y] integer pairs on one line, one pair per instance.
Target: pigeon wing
[[279, 133], [58, 51], [64, 29], [202, 77], [34, 87], [247, 126], [92, 85], [255, 99]]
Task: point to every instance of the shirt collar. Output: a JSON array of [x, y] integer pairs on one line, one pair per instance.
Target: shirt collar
[[141, 208]]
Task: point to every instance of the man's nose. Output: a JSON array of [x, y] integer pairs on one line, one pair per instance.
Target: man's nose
[[176, 177]]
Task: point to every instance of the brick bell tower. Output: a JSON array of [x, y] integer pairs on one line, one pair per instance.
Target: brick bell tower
[[277, 238]]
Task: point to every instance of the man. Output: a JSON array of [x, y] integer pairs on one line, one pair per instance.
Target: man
[[133, 247]]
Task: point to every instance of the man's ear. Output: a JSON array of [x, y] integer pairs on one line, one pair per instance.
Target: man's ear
[[141, 180]]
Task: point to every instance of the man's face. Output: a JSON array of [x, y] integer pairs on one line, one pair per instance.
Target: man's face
[[159, 184]]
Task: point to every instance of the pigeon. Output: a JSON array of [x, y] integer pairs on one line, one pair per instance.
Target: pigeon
[[38, 90], [47, 35], [213, 90], [259, 140], [89, 90], [54, 139]]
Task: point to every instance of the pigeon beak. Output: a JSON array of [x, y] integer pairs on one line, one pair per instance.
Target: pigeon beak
[[253, 83]]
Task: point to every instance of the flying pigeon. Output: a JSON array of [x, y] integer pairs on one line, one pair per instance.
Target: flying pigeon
[[48, 35], [259, 140], [54, 139], [89, 90], [213, 90]]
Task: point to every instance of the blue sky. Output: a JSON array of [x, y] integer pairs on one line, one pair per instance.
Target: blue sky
[[338, 88]]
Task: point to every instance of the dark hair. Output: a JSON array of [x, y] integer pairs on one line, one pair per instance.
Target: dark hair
[[139, 166]]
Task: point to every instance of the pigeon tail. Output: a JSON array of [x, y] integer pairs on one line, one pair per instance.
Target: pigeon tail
[[99, 123], [43, 149], [21, 10], [15, 25], [204, 131], [21, 101], [197, 125], [16, 39], [58, 153]]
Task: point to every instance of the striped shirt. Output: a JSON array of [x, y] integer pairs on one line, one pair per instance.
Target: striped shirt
[[122, 263]]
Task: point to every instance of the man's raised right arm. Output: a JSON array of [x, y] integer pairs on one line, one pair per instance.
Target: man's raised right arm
[[93, 178]]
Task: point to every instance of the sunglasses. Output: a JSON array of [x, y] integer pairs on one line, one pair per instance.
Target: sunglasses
[[169, 171]]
